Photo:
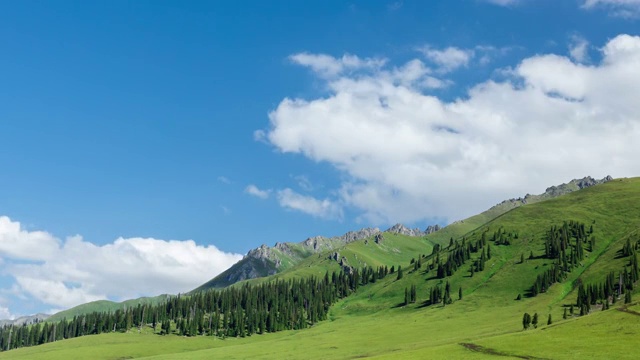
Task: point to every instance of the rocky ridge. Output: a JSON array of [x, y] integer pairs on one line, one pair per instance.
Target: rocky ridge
[[265, 260], [25, 320], [554, 191]]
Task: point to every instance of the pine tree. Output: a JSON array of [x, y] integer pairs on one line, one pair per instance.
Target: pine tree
[[406, 296], [460, 293], [521, 258], [549, 321], [399, 273], [534, 321], [526, 321]]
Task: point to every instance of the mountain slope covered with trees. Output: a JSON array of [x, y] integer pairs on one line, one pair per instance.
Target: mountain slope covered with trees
[[554, 279]]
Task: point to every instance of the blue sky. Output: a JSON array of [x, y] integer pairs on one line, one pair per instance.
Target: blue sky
[[129, 128]]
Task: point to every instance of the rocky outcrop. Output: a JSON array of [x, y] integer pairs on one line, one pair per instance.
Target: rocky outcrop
[[431, 229], [379, 238], [554, 191], [576, 183], [403, 230]]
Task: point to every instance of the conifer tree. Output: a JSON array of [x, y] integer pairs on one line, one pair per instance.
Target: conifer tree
[[526, 321], [549, 321]]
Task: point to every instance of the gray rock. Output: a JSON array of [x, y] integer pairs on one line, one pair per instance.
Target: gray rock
[[431, 229], [403, 230]]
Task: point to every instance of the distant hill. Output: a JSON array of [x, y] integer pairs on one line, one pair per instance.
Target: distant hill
[[105, 306], [25, 320]]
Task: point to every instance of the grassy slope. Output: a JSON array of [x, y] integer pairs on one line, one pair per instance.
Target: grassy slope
[[395, 249], [372, 324], [104, 306]]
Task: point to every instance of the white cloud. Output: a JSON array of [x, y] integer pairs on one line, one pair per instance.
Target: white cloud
[[224, 180], [448, 59], [5, 314], [409, 156], [304, 183], [579, 48], [255, 191], [19, 243], [328, 66], [325, 209], [621, 8], [76, 271]]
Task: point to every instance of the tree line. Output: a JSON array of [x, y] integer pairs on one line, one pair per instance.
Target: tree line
[[236, 311]]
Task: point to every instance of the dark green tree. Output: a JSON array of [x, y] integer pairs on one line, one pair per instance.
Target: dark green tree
[[526, 321]]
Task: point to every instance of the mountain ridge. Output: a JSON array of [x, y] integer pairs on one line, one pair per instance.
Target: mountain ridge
[[267, 261]]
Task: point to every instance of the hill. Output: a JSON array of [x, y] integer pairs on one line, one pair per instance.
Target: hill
[[105, 306], [482, 314], [265, 261]]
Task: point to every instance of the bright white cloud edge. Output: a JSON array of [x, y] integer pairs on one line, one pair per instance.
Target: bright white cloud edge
[[66, 273], [253, 190], [407, 155]]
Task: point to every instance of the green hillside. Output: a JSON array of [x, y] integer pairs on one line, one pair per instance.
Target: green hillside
[[105, 306], [601, 227], [265, 261]]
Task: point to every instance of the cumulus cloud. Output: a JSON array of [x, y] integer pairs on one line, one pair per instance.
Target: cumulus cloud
[[5, 314], [408, 156], [621, 8], [579, 48], [74, 271], [325, 209], [255, 191], [18, 243]]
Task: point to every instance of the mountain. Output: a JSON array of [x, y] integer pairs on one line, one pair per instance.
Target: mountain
[[570, 263], [105, 306], [265, 261], [25, 320], [461, 227]]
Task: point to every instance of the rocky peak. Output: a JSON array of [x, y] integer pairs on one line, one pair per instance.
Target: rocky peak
[[431, 229], [364, 233], [585, 182], [261, 252], [403, 230]]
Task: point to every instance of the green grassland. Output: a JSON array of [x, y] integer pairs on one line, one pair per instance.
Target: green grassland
[[485, 323]]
